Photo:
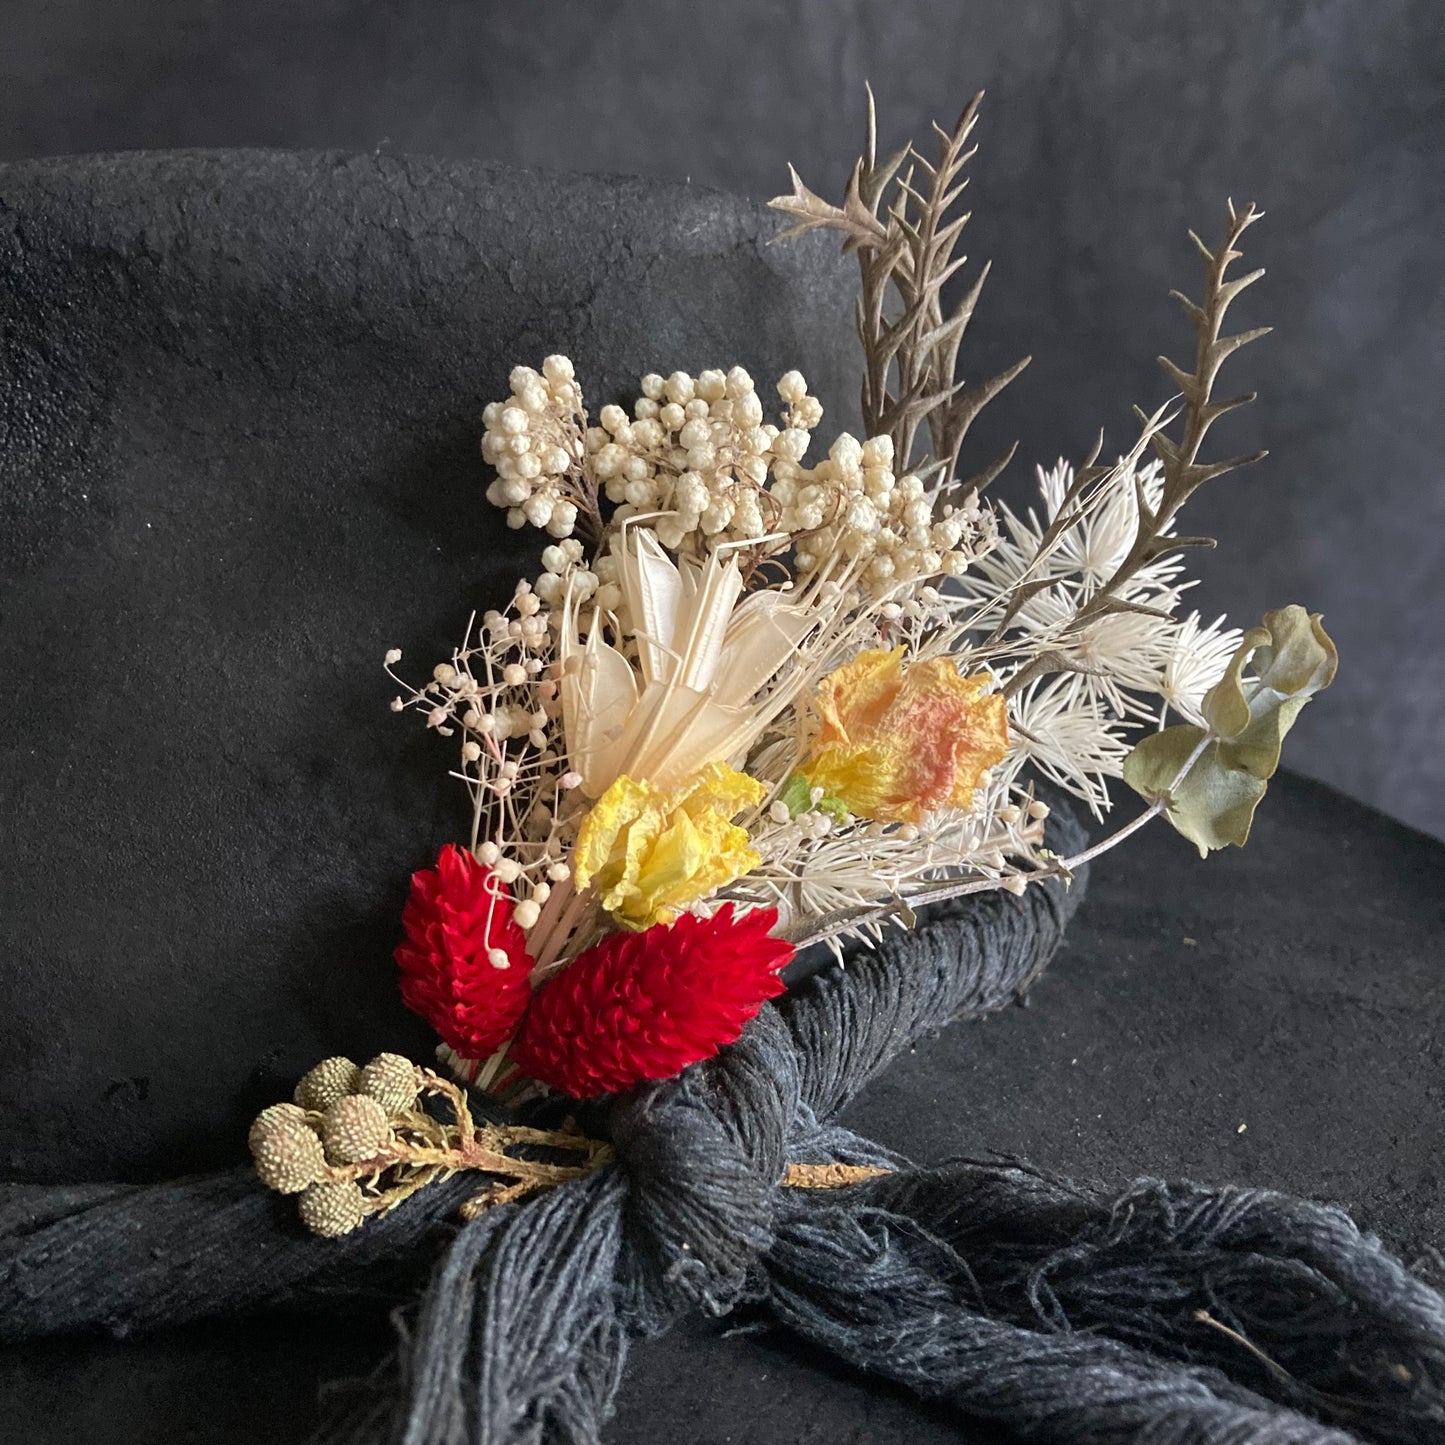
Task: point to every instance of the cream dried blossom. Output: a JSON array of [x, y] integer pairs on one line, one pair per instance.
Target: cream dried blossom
[[699, 451], [565, 570], [700, 462], [851, 510], [706, 656], [535, 442], [499, 695]]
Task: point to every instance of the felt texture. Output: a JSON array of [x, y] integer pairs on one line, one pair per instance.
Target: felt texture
[[240, 399], [241, 403], [1293, 987]]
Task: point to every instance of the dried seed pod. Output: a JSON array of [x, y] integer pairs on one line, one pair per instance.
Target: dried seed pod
[[390, 1079], [332, 1209], [328, 1083], [355, 1129], [287, 1152]]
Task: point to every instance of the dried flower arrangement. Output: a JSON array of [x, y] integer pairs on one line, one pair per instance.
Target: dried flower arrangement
[[753, 703]]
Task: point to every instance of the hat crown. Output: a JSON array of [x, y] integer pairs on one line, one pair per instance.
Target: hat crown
[[241, 397]]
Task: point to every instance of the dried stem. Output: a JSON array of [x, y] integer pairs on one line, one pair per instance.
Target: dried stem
[[830, 1176], [1184, 474], [423, 1149], [906, 250]]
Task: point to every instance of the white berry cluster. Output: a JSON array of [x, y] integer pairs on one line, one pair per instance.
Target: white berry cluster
[[851, 506], [534, 440], [697, 456], [564, 566], [698, 449]]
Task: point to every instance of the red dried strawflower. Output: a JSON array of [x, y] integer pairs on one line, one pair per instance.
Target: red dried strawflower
[[640, 1006], [458, 912]]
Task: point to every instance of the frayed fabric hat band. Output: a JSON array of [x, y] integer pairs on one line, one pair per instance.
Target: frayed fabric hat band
[[1161, 1313]]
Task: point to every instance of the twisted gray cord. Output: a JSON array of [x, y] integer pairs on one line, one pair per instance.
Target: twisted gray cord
[[1169, 1315]]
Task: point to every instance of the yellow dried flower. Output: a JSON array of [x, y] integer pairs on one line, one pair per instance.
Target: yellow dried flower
[[651, 851]]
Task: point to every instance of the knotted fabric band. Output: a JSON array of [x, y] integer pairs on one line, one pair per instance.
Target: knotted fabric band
[[1171, 1314]]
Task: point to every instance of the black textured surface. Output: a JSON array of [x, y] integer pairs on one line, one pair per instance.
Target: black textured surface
[[1296, 988], [277, 364], [241, 401], [1108, 131]]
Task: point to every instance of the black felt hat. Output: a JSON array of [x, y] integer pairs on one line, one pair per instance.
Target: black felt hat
[[243, 401], [239, 413]]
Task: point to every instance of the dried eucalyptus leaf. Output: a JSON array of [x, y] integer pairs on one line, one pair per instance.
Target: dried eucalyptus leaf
[[1213, 805], [1293, 657], [1225, 706], [1153, 764], [1300, 659]]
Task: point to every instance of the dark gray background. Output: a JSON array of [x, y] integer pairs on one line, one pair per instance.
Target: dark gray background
[[1110, 128], [1271, 1016]]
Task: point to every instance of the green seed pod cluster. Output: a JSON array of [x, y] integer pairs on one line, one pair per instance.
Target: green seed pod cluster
[[328, 1083], [287, 1152], [391, 1080], [332, 1209], [354, 1130], [341, 1116]]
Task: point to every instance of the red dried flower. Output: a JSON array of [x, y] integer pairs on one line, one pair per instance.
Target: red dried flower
[[458, 912], [640, 1006]]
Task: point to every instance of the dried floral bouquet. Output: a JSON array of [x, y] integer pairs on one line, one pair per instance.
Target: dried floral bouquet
[[755, 702]]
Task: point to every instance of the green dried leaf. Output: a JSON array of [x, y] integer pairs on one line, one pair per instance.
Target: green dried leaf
[[1225, 706], [1154, 764], [1213, 804], [1300, 659]]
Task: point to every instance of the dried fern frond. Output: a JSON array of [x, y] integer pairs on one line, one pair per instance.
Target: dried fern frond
[[905, 252], [1184, 473]]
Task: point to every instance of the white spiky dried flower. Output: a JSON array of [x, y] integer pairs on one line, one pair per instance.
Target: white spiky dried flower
[[1069, 737], [1198, 656]]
